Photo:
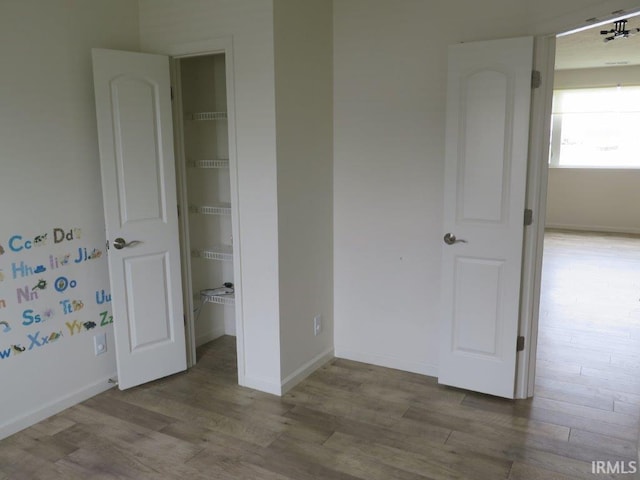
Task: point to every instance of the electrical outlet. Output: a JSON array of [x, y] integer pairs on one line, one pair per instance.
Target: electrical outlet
[[317, 324], [100, 343]]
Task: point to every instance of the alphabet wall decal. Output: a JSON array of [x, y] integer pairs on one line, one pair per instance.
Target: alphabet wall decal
[[30, 272]]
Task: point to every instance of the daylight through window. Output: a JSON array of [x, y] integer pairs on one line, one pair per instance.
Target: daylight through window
[[596, 128]]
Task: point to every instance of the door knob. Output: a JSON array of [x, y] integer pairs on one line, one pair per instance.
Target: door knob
[[119, 243], [450, 239]]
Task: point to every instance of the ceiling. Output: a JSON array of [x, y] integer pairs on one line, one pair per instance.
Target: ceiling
[[586, 49]]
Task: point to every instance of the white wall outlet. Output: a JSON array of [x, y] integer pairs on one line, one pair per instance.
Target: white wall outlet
[[100, 343], [317, 324]]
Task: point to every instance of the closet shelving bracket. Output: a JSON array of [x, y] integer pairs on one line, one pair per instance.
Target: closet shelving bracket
[[218, 299], [203, 116], [218, 252], [221, 209], [215, 163]]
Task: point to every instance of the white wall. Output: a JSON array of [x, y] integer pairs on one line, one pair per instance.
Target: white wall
[[390, 80], [50, 179], [167, 23], [389, 117], [594, 199], [304, 125]]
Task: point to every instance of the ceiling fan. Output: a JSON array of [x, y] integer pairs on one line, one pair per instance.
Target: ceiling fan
[[619, 31]]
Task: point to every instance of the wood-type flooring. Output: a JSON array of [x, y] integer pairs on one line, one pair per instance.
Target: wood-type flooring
[[351, 420]]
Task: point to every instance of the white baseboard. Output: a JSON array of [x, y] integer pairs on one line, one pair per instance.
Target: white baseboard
[[269, 386], [305, 370], [593, 228], [262, 384], [56, 406], [209, 336], [388, 362]]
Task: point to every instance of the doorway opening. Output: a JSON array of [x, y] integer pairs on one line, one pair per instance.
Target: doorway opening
[[588, 349], [207, 193]]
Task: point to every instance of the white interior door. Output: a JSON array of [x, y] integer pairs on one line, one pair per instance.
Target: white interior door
[[133, 106], [488, 102]]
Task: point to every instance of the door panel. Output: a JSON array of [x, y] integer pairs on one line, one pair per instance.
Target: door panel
[[140, 183], [133, 109], [477, 315], [144, 328], [485, 126], [488, 99]]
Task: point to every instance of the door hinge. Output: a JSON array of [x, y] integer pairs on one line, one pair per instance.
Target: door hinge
[[536, 79], [528, 217], [171, 89], [520, 344]]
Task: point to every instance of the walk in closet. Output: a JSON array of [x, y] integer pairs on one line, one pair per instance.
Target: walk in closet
[[205, 181]]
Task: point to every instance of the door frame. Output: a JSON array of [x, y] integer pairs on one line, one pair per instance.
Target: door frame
[[538, 174], [536, 200], [221, 45]]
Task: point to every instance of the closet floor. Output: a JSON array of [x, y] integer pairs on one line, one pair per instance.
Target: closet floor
[[351, 420]]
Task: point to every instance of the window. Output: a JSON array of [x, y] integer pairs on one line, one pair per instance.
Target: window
[[596, 128]]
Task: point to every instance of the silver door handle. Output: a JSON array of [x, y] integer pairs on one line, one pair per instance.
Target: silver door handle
[[450, 239], [119, 243]]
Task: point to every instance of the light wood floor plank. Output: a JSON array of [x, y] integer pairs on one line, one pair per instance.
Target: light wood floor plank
[[523, 471], [437, 463]]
